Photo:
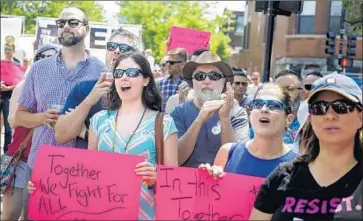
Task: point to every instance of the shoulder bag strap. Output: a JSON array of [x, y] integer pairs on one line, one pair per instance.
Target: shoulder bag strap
[[23, 145], [159, 141]]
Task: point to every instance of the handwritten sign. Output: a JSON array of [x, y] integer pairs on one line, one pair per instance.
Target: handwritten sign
[[192, 194], [189, 39], [74, 184], [11, 73]]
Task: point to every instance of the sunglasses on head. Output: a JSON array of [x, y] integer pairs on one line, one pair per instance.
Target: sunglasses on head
[[213, 76], [173, 62], [341, 106], [272, 105], [308, 87], [240, 83], [73, 23], [130, 72], [112, 46]]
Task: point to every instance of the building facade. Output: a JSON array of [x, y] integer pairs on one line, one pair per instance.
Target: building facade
[[299, 40]]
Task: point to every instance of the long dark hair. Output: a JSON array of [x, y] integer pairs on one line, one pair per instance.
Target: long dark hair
[[151, 97]]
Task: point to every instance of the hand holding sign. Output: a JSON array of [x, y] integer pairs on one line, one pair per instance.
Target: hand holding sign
[[79, 184]]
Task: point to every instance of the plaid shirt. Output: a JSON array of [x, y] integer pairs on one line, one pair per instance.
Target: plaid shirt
[[49, 82], [168, 88]]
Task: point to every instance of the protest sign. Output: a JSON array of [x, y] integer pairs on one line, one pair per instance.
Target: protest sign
[[192, 194], [189, 39], [11, 73], [75, 184]]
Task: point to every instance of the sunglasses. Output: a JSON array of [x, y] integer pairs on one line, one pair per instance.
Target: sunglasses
[[8, 49], [130, 72], [240, 83], [254, 79], [73, 23], [339, 106], [308, 87], [112, 46], [41, 56], [213, 76], [173, 62], [292, 89], [272, 105]]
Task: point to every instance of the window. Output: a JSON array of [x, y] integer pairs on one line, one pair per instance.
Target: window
[[306, 20], [335, 12], [239, 24]]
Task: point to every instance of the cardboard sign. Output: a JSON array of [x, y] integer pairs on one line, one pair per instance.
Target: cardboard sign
[[192, 194], [189, 39], [75, 184], [11, 73]]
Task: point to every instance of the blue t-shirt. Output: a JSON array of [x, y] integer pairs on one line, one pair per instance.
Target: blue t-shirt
[[241, 161], [77, 95], [209, 137]]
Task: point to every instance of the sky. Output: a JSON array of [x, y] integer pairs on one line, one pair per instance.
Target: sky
[[111, 9]]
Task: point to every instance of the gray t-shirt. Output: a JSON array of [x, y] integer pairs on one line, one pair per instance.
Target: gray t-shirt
[[209, 137]]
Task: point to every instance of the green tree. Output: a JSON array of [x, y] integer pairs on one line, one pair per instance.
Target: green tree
[[355, 16], [33, 9], [157, 17]]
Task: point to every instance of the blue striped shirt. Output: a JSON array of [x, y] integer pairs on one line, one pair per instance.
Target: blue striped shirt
[[49, 82]]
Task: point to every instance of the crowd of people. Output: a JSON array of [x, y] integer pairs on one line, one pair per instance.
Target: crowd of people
[[304, 135]]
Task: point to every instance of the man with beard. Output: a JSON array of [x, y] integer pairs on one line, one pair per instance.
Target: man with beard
[[50, 80], [85, 99], [211, 119]]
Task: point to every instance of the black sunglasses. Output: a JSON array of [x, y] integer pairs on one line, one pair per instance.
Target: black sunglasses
[[41, 56], [240, 83], [308, 86], [173, 62], [213, 76], [112, 46], [339, 106], [272, 105], [73, 23], [130, 72]]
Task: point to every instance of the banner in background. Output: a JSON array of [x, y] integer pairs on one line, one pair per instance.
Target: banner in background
[[12, 26], [192, 194], [75, 184]]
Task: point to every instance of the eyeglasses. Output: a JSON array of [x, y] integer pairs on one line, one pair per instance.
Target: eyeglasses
[[308, 86], [8, 49], [130, 72], [73, 23], [213, 76], [240, 83], [272, 105], [173, 62], [339, 106], [41, 56], [112, 46]]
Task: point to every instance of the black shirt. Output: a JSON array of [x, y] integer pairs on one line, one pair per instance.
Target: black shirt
[[291, 193]]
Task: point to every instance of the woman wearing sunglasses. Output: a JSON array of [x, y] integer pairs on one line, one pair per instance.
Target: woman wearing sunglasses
[[128, 125], [270, 115], [325, 183], [13, 199]]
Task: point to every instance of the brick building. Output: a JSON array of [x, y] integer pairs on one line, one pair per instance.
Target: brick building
[[299, 40]]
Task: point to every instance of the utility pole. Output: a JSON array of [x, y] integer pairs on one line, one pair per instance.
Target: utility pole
[[269, 41], [341, 68]]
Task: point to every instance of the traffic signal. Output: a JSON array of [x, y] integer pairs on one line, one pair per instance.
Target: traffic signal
[[345, 62], [351, 45], [330, 43]]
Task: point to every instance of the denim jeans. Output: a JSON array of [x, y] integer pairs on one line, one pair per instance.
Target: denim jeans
[[4, 108]]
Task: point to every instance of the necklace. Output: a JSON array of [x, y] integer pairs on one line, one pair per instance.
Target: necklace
[[133, 133]]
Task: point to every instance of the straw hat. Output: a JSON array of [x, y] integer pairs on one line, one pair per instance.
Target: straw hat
[[210, 58]]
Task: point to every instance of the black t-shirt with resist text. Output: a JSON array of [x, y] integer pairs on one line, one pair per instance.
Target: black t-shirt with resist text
[[291, 193]]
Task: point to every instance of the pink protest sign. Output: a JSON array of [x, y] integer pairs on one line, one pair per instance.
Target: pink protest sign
[[189, 39], [192, 194], [74, 184], [11, 73]]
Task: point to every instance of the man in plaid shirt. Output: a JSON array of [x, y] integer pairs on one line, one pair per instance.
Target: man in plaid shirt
[[175, 63]]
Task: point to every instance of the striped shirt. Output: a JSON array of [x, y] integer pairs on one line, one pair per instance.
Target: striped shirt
[[168, 88], [48, 83]]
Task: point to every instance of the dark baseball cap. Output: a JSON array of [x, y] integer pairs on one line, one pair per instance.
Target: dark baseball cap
[[340, 84]]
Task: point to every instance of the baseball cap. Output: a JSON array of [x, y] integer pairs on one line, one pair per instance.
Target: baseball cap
[[340, 84]]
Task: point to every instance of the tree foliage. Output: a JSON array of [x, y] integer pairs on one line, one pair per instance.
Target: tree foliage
[[33, 9], [355, 16], [157, 17]]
